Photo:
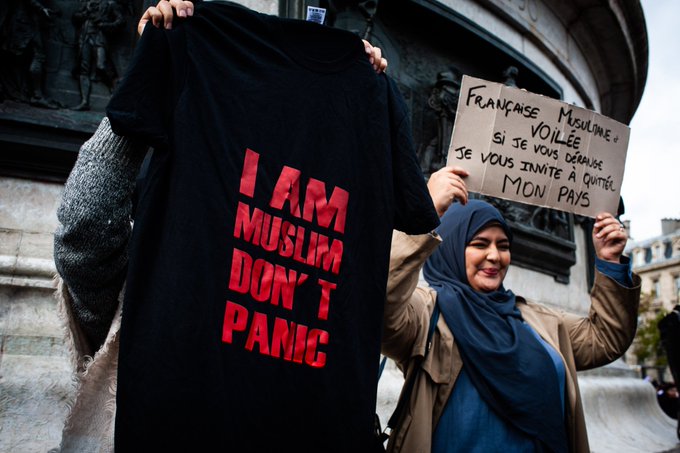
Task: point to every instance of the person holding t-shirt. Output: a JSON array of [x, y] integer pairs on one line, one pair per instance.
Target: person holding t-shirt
[[255, 274]]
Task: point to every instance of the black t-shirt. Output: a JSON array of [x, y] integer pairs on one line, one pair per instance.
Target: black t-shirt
[[258, 264]]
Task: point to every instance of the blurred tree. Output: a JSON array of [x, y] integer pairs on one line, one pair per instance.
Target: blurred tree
[[647, 346]]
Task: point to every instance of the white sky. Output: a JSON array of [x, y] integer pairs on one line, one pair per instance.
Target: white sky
[[651, 183]]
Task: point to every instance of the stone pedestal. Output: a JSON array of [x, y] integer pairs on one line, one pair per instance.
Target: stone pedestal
[[35, 373]]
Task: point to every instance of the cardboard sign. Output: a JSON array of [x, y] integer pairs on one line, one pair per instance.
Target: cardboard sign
[[533, 149]]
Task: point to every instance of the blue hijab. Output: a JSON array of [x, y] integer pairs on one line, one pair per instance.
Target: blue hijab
[[511, 370]]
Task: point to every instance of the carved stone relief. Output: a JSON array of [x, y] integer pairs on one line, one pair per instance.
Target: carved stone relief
[[61, 60], [64, 54], [24, 29]]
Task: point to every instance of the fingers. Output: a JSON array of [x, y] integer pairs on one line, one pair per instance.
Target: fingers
[[446, 185], [454, 177], [379, 63], [606, 224], [148, 15], [455, 169], [165, 9], [375, 57], [609, 237], [183, 8], [162, 13]]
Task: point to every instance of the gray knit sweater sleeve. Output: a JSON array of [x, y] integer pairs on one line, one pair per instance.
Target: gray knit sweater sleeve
[[95, 223]]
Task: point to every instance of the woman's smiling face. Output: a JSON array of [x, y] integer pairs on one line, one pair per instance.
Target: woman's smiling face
[[487, 257]]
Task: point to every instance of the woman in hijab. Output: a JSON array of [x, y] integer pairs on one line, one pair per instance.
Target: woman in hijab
[[500, 374]]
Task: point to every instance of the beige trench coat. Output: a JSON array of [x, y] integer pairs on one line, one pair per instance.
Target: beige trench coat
[[583, 342]]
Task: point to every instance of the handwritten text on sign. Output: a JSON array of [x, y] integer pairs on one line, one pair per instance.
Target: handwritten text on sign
[[533, 149]]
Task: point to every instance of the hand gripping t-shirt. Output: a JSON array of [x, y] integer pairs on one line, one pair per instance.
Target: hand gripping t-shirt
[[258, 263]]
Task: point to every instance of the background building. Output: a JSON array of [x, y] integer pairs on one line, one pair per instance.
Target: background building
[[657, 261], [589, 53]]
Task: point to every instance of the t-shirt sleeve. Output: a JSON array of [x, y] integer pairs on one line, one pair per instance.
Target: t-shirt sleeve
[[414, 211], [141, 105]]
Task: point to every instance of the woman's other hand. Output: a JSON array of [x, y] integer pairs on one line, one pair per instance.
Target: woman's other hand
[[609, 237], [445, 186], [162, 14], [375, 57]]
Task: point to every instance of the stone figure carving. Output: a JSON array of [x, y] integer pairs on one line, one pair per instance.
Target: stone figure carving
[[510, 76], [443, 100], [95, 21], [24, 25], [352, 14], [551, 221]]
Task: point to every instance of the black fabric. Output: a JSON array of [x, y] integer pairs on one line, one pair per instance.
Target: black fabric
[[507, 364], [279, 153], [669, 330]]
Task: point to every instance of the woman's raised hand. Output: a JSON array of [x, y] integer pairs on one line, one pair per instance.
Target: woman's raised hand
[[609, 237], [445, 186]]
